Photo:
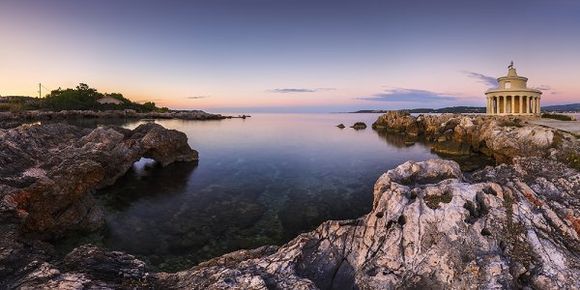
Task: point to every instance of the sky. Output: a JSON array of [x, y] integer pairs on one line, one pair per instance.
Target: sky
[[291, 55]]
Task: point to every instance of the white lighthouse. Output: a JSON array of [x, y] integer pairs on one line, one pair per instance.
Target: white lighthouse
[[512, 96]]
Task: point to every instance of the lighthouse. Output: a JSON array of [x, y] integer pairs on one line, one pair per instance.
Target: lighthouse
[[512, 96]]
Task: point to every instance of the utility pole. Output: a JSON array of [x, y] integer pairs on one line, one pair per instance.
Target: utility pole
[[39, 90]]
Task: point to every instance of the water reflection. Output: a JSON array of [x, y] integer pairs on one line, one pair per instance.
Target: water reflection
[[149, 181], [259, 181], [460, 152]]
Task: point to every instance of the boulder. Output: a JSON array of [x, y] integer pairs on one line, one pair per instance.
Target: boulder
[[47, 176], [49, 171], [359, 126]]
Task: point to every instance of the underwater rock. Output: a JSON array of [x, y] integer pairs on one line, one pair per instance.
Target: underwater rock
[[509, 226], [429, 227]]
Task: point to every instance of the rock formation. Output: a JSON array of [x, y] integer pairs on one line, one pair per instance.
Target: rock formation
[[430, 227], [359, 126], [502, 138], [511, 226], [48, 174]]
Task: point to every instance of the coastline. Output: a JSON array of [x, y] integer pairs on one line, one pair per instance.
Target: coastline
[[398, 244], [10, 119]]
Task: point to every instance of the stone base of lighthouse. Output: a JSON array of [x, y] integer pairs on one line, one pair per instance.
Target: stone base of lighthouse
[[513, 105]]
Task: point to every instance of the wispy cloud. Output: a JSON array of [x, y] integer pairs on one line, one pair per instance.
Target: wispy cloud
[[299, 90], [197, 97], [484, 79], [409, 95], [543, 88]]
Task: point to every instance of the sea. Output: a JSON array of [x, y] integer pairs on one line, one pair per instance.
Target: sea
[[259, 181]]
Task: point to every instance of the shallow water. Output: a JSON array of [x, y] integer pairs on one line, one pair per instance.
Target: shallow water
[[259, 181]]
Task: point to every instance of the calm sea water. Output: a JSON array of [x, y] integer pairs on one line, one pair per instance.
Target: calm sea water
[[259, 181]]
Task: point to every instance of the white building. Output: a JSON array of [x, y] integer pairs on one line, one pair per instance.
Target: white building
[[513, 97], [109, 100]]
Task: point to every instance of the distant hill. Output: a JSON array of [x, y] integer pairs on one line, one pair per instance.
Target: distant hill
[[562, 108], [467, 109], [458, 109]]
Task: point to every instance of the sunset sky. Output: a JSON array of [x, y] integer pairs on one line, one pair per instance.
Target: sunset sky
[[291, 55]]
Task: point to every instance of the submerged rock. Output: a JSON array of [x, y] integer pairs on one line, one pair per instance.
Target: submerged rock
[[510, 226], [429, 227]]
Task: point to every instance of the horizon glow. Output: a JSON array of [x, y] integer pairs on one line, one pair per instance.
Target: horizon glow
[[291, 56]]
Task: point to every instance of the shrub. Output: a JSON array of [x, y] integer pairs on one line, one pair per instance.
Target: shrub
[[84, 97], [560, 117], [11, 107]]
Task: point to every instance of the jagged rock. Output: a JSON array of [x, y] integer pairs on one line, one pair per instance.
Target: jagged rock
[[48, 174], [502, 138], [397, 121], [429, 228], [359, 126], [51, 170], [511, 226], [86, 267]]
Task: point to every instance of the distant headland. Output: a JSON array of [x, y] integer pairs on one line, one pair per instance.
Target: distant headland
[[84, 102], [566, 108]]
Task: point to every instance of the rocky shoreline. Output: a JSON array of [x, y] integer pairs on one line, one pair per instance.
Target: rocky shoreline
[[10, 120], [501, 138], [48, 174], [515, 225]]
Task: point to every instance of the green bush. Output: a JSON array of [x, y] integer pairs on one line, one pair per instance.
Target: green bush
[[560, 117], [574, 160], [84, 97], [11, 107]]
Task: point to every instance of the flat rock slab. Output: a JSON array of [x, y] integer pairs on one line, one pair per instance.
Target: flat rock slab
[[568, 126]]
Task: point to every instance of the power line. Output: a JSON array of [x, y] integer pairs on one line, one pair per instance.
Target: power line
[[40, 87]]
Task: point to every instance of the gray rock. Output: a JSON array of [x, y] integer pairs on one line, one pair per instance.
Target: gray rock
[[511, 226], [359, 126], [500, 137], [47, 176], [429, 228]]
